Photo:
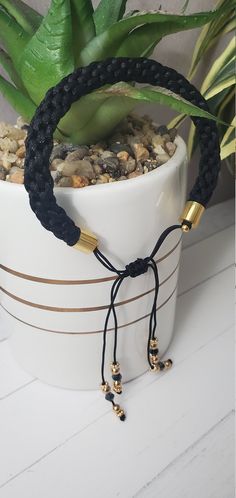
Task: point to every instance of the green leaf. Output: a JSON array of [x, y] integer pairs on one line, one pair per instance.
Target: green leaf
[[191, 140], [108, 43], [105, 118], [24, 15], [226, 79], [225, 98], [210, 34], [107, 13], [7, 64], [228, 149], [140, 42], [82, 24], [159, 94], [48, 56], [222, 60], [13, 36], [22, 104], [177, 121]]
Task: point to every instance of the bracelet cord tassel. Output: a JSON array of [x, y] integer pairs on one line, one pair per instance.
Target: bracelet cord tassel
[[134, 269]]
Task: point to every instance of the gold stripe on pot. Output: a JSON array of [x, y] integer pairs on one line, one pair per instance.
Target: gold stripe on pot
[[74, 282], [81, 310], [92, 331]]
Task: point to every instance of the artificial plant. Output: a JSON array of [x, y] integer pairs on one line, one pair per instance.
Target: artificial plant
[[39, 51]]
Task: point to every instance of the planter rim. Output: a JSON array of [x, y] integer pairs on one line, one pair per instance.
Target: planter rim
[[178, 156]]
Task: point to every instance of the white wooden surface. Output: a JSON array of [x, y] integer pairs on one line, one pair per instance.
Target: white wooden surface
[[177, 441]]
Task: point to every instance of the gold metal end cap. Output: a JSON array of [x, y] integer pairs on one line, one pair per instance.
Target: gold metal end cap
[[87, 242], [192, 213]]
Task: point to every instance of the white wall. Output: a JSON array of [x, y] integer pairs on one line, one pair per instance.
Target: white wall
[[175, 51]]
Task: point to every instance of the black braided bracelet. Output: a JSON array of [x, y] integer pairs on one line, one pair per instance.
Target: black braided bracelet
[[39, 183], [58, 100]]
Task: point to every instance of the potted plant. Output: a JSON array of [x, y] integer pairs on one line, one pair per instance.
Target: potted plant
[[112, 170]]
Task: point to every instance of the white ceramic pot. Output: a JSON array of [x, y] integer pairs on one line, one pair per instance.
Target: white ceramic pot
[[54, 298]]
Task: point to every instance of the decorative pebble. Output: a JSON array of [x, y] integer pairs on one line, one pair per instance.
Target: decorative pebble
[[8, 145], [159, 149], [16, 133], [136, 147], [162, 158], [20, 163], [107, 153], [157, 140], [65, 181], [21, 152], [111, 165], [16, 176], [103, 179], [11, 158], [123, 155], [80, 167], [54, 164], [20, 122], [97, 169], [6, 164], [4, 129], [140, 152], [60, 151], [130, 165], [79, 181], [120, 147], [78, 153], [55, 175], [3, 173], [161, 130], [135, 174], [170, 148]]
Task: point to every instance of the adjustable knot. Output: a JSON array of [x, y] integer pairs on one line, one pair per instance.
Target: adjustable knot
[[137, 267]]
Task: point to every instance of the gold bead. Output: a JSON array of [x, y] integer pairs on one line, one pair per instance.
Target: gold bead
[[168, 363], [116, 408], [153, 343], [154, 359], [105, 387], [117, 387], [155, 368], [120, 413], [185, 228], [115, 368]]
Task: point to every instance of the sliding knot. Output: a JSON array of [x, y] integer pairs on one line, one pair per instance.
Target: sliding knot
[[137, 267]]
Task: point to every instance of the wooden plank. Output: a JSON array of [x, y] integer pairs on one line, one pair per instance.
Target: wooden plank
[[114, 459], [205, 469], [215, 219], [205, 259], [41, 418], [12, 377]]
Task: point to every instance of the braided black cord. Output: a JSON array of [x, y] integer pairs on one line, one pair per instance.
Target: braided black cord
[[58, 100]]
